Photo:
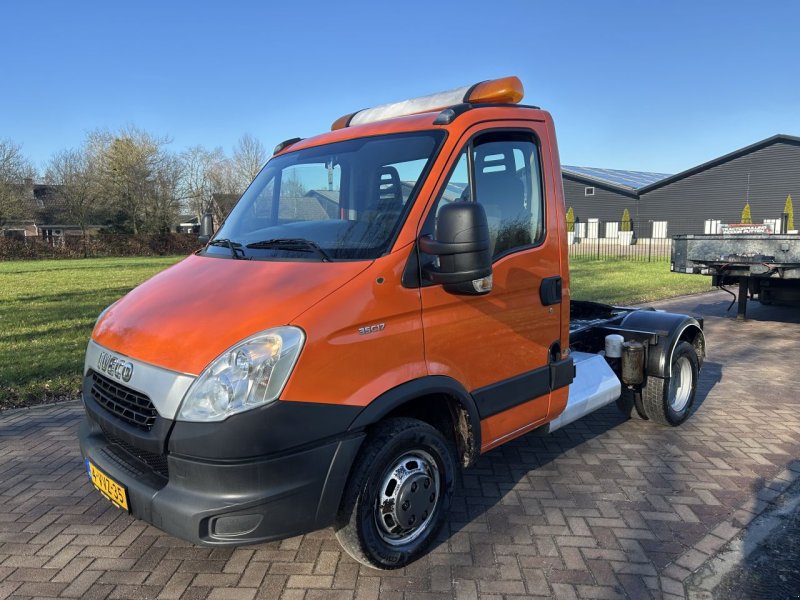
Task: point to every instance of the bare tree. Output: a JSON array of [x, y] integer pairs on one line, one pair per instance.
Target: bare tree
[[79, 186], [15, 169], [249, 155], [203, 171], [138, 177], [163, 207]]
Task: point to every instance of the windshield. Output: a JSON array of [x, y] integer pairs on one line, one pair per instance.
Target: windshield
[[335, 202]]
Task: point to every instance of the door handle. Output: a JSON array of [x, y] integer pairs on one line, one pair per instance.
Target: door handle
[[550, 290]]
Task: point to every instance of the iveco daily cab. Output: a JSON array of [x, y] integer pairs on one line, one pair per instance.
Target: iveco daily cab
[[386, 302]]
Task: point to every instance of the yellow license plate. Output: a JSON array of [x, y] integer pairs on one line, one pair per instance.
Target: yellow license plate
[[108, 487]]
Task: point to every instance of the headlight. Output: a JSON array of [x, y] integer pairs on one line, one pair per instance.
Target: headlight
[[250, 374]]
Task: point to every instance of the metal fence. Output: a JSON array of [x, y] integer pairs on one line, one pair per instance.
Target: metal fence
[[605, 240], [646, 241]]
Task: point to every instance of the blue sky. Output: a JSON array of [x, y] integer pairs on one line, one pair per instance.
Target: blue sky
[[643, 85]]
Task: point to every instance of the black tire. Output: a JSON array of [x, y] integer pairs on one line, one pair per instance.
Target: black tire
[[630, 404], [668, 401], [361, 528]]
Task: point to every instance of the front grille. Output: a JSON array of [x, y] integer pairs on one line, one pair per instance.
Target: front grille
[[131, 406], [157, 462]]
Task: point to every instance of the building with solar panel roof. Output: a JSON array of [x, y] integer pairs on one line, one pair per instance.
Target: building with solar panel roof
[[601, 195], [696, 200]]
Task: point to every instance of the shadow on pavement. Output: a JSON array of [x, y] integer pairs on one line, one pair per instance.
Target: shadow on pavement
[[543, 458], [717, 305], [770, 567], [542, 468]]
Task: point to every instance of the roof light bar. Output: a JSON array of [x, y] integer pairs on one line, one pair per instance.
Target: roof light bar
[[507, 90]]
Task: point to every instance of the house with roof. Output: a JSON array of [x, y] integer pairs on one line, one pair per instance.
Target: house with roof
[[40, 204], [44, 216], [696, 200]]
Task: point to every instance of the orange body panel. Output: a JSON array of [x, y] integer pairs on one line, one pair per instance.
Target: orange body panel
[[554, 185], [340, 365], [187, 315], [479, 340], [512, 423]]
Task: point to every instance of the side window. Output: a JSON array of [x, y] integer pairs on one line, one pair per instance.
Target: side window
[[508, 183], [456, 188]]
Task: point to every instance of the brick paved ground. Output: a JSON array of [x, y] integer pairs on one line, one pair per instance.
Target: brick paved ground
[[602, 509]]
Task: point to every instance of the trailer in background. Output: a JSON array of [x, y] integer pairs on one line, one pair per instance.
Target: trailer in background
[[765, 266]]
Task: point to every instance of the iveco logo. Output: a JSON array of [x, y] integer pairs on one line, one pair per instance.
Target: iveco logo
[[115, 367]]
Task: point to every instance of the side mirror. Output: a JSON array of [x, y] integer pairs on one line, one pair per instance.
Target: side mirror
[[206, 228], [463, 247]]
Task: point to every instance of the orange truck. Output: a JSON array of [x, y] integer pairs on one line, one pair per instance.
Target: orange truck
[[386, 302]]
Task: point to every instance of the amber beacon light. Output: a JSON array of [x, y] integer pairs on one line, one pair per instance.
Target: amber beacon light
[[506, 90]]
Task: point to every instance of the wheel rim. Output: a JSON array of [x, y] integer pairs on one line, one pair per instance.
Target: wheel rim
[[680, 384], [407, 498]]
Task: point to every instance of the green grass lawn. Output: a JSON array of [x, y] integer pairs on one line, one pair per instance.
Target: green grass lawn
[[48, 309], [629, 282]]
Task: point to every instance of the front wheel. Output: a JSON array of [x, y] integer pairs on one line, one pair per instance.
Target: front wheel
[[669, 401], [398, 494]]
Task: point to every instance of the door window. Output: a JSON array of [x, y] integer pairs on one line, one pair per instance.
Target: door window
[[506, 179]]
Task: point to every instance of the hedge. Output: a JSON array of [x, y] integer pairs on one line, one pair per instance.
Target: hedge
[[97, 246]]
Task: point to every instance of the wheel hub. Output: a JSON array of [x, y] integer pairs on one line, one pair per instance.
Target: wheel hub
[[408, 497], [680, 385]]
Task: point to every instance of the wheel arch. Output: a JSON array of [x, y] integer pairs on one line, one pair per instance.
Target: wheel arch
[[692, 333], [671, 329], [435, 399]]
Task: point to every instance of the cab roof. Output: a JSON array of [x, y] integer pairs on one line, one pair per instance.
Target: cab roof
[[421, 122], [435, 111]]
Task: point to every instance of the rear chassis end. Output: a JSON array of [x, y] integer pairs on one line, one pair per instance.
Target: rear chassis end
[[766, 267]]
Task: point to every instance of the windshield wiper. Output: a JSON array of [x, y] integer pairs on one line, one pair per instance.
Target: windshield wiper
[[299, 244], [234, 247]]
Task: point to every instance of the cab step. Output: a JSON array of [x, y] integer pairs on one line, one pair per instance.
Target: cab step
[[594, 386]]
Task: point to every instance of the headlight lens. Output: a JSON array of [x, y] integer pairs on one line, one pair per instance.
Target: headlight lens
[[250, 374]]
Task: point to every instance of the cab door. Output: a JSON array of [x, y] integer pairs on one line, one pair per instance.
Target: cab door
[[500, 345]]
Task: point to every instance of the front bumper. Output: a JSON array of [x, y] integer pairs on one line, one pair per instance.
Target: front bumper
[[230, 501]]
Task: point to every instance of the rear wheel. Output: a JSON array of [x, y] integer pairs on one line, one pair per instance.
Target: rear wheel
[[669, 401], [398, 494]]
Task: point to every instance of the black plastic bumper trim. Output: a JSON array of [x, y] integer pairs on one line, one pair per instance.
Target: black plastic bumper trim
[[504, 395], [283, 496], [278, 427]]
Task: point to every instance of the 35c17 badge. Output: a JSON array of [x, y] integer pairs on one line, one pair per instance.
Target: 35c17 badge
[[371, 329]]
